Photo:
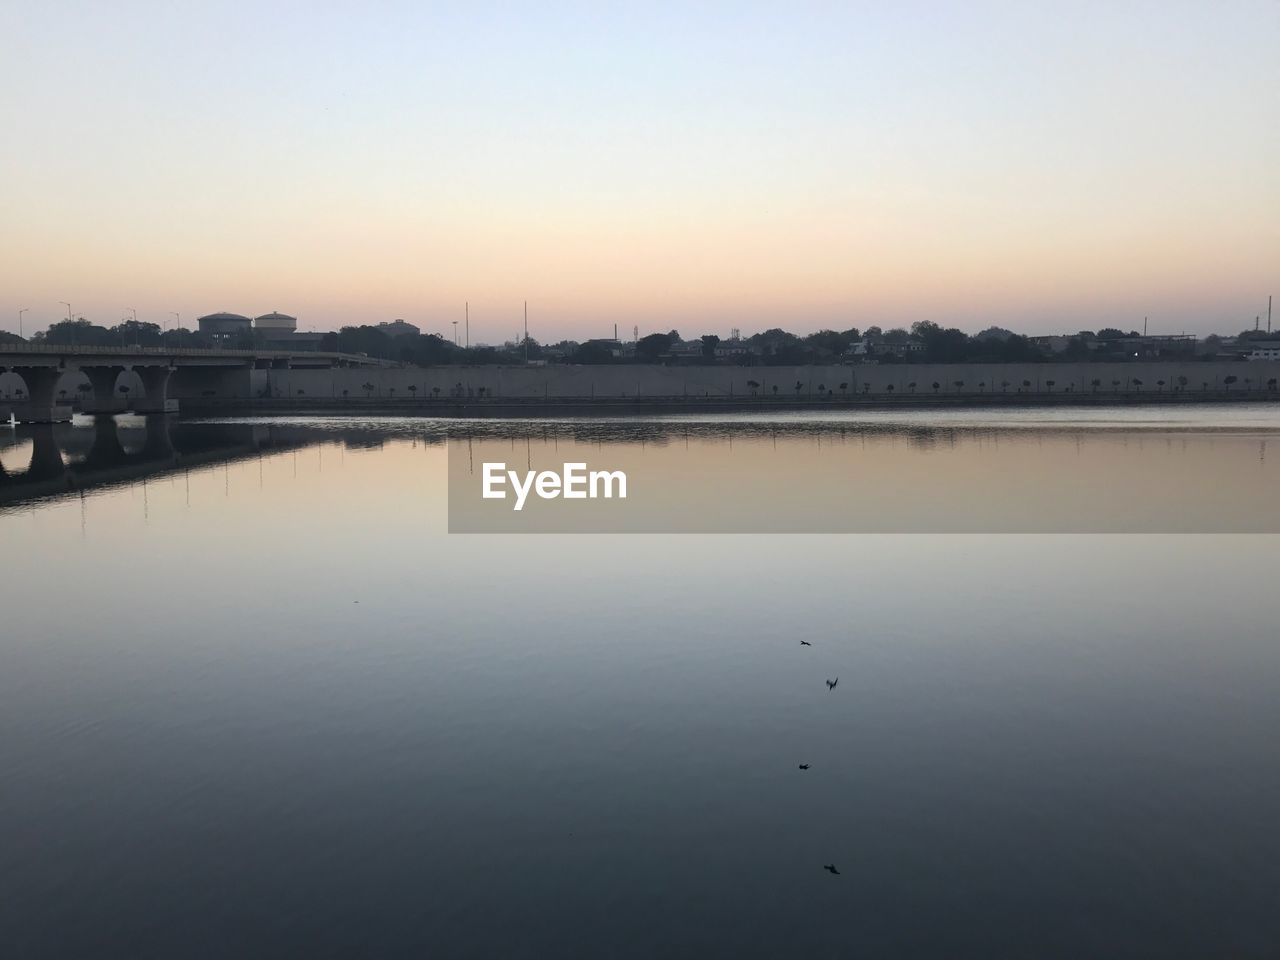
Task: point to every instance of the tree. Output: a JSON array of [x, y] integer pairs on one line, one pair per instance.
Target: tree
[[1229, 380], [1137, 383], [1182, 383], [1026, 384], [912, 386], [775, 389], [1051, 384], [368, 388], [958, 384], [656, 345], [709, 343], [1159, 386], [435, 391], [753, 386], [1095, 383], [936, 385], [413, 390], [799, 387]]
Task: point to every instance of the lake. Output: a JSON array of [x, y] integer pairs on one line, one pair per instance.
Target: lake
[[257, 699]]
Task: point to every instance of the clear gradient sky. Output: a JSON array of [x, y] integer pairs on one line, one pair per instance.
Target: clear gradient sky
[[687, 165]]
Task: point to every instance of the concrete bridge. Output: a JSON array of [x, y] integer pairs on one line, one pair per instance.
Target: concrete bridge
[[167, 375]]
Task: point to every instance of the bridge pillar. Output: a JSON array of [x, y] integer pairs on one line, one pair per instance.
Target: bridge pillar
[[106, 450], [46, 457], [40, 404], [103, 401], [155, 380], [159, 442]]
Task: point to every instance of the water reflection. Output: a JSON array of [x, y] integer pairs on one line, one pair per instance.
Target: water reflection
[[735, 475], [275, 710]]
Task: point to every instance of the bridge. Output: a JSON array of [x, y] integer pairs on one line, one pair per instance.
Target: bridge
[[167, 375]]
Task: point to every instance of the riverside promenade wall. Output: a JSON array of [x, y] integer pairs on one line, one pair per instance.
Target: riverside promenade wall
[[631, 388], [640, 381]]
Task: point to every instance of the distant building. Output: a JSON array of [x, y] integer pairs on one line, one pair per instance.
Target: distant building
[[1153, 347], [610, 344], [1263, 350], [224, 327], [399, 328], [732, 348], [1053, 344], [686, 349], [275, 323]]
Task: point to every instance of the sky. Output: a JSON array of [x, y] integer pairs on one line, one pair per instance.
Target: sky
[[697, 166]]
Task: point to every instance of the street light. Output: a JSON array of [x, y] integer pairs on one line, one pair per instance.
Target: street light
[[20, 313], [69, 321], [178, 324], [136, 341]]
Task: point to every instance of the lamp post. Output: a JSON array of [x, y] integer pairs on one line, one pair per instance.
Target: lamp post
[[136, 341], [178, 324], [73, 329], [20, 313]]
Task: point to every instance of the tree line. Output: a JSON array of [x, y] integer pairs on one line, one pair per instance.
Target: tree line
[[924, 342]]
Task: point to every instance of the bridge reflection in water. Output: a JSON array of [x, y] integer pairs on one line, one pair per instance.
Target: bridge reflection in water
[[67, 458]]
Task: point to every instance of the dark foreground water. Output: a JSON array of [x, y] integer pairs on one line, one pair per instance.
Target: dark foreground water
[[255, 701]]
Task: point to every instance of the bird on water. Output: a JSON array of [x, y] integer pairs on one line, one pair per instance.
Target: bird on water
[[831, 684], [831, 868], [804, 766]]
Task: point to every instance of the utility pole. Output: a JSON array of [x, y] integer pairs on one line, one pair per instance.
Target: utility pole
[[25, 309], [467, 312], [73, 329], [178, 325], [526, 333], [132, 310], [455, 333], [1268, 313]]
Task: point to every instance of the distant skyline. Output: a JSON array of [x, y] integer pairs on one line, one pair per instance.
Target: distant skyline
[[735, 165]]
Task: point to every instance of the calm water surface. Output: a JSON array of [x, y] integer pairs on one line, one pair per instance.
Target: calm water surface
[[254, 699]]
